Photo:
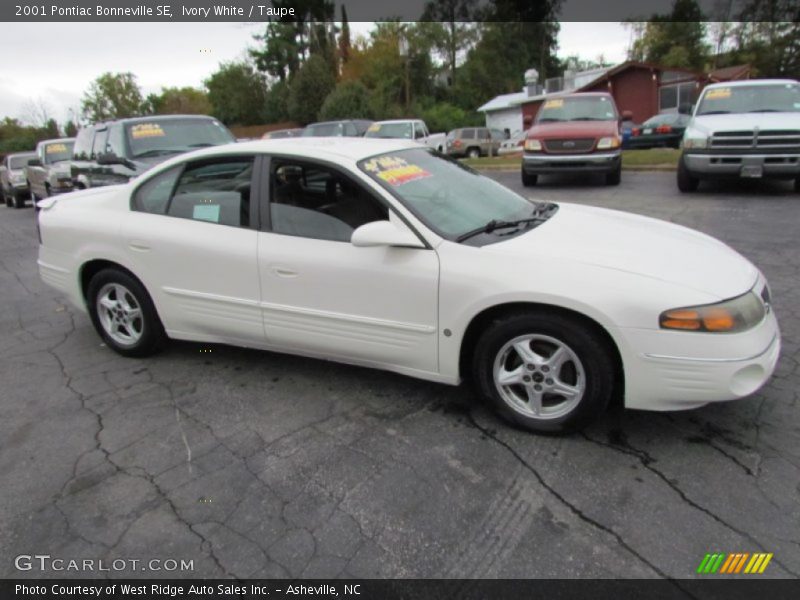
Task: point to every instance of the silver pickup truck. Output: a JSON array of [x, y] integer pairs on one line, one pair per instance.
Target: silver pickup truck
[[49, 173], [745, 129], [13, 187], [411, 129]]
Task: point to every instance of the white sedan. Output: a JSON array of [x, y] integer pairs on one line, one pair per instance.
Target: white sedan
[[384, 254]]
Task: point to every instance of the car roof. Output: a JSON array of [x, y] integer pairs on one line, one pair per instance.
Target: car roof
[[746, 82], [396, 121], [322, 148], [15, 154], [53, 140]]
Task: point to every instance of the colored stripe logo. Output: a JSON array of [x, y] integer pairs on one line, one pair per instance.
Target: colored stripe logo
[[735, 563]]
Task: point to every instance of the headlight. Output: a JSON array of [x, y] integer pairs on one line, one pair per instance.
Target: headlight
[[607, 143], [695, 142], [533, 145], [729, 316]]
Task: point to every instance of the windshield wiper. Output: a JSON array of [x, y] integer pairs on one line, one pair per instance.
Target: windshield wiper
[[715, 112], [764, 110], [550, 120], [540, 214], [200, 145]]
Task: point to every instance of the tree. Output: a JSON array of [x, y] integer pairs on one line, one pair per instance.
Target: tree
[[676, 39], [180, 101], [70, 129], [344, 38], [276, 104], [236, 92], [457, 33], [36, 112], [348, 100], [51, 129], [112, 96], [309, 88]]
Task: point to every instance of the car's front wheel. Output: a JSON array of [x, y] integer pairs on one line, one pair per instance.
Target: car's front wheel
[[19, 200], [686, 181], [123, 313], [546, 372], [529, 180], [614, 177]]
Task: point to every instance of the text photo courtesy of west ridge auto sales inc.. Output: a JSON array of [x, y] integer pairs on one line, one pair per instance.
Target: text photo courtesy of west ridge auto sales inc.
[[469, 298]]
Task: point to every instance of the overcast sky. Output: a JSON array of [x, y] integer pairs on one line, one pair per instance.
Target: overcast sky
[[51, 64]]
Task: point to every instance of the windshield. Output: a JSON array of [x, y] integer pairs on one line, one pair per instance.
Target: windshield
[[57, 152], [784, 97], [19, 162], [171, 136], [447, 196], [577, 108], [324, 130], [389, 130]]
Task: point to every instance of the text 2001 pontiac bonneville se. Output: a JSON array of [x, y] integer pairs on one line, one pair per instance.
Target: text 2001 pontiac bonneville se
[[383, 253]]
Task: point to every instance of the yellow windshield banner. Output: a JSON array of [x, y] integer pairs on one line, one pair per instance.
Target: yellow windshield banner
[[718, 93], [146, 130], [55, 148]]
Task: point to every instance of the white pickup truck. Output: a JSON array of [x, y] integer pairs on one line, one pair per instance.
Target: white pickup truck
[[743, 129], [410, 129]]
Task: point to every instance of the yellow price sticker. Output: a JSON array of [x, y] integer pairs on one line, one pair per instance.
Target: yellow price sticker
[[145, 130], [55, 148], [718, 93], [374, 127]]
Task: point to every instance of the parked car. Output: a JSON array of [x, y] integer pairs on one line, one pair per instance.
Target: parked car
[[49, 172], [574, 133], [116, 151], [407, 129], [386, 254], [514, 144], [347, 128], [665, 130], [473, 142], [282, 133], [748, 129], [13, 186], [626, 128]]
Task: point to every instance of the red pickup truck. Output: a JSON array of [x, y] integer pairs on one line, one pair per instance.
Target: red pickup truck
[[575, 133]]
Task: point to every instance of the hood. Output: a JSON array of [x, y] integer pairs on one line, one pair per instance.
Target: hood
[[640, 245], [576, 129], [709, 124]]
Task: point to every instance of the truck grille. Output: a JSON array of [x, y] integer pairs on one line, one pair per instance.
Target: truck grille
[[768, 139], [568, 146]]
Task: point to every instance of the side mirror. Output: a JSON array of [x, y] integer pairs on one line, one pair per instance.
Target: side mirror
[[384, 233], [685, 108], [109, 158], [34, 162], [627, 115]]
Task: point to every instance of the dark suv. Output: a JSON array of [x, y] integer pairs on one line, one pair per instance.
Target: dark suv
[[115, 151]]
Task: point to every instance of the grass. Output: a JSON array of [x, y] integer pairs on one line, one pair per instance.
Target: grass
[[637, 159]]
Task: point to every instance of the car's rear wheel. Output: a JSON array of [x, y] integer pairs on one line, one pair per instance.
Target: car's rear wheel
[[4, 197], [529, 180], [614, 177], [473, 153], [19, 200], [686, 181], [545, 372], [123, 313]]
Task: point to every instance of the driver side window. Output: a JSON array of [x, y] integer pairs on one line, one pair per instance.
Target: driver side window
[[313, 201]]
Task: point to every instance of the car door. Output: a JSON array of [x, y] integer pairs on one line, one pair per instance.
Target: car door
[[323, 296], [192, 236]]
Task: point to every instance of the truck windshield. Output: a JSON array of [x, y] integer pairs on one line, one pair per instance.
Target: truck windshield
[[171, 136], [782, 97], [389, 130], [57, 152], [335, 129], [575, 108], [447, 196]]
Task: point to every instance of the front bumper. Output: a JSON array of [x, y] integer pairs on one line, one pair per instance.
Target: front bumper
[[731, 165], [675, 370], [548, 164]]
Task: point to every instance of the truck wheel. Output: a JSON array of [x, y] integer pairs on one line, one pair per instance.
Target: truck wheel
[[614, 177], [529, 180], [686, 181], [19, 201], [544, 371], [3, 197], [473, 153]]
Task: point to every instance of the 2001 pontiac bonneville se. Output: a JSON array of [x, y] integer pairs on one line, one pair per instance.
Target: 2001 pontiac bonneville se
[[383, 253]]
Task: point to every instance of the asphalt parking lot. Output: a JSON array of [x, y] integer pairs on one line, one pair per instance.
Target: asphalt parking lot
[[253, 464]]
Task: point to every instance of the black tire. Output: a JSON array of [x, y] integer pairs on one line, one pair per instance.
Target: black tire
[[529, 180], [595, 357], [473, 152], [797, 185], [4, 197], [614, 177], [686, 181], [152, 334], [19, 200]]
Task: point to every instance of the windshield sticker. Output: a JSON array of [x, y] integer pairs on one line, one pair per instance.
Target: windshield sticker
[[146, 130], [554, 104], [395, 171], [373, 128], [718, 93], [55, 148], [206, 212]]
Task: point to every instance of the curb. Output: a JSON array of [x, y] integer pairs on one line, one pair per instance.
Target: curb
[[505, 168]]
